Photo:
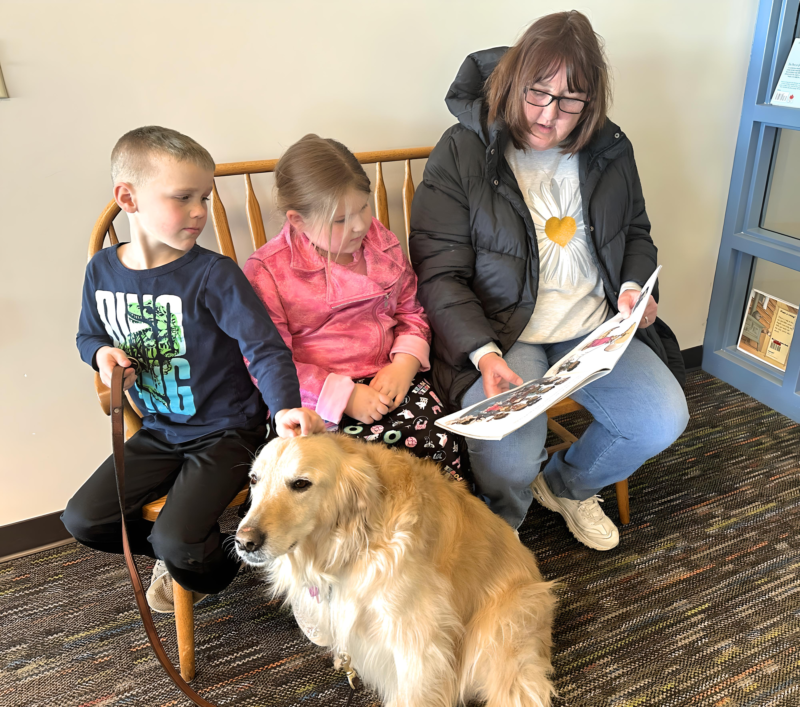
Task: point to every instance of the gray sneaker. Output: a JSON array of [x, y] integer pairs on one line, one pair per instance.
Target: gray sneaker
[[159, 594], [585, 519]]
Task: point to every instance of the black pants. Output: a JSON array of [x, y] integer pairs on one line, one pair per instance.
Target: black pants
[[411, 426], [202, 478]]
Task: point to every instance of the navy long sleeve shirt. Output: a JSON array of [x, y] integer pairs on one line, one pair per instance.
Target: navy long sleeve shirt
[[188, 324]]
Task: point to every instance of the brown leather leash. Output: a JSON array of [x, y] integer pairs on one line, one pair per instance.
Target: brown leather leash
[[118, 445]]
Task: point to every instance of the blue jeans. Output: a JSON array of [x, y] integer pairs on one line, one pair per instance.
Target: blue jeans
[[639, 410]]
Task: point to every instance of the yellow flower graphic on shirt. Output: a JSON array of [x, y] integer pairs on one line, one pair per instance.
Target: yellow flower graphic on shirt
[[556, 211]]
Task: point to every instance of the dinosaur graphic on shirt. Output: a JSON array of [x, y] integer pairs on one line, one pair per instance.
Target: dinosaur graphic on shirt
[[151, 331]]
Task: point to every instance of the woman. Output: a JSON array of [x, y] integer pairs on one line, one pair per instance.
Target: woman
[[529, 231]]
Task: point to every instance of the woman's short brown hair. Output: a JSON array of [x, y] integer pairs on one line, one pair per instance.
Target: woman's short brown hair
[[561, 39]]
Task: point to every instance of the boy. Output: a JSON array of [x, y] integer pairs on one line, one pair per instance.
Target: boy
[[187, 316]]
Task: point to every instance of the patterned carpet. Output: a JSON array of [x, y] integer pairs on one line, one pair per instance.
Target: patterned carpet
[[699, 605]]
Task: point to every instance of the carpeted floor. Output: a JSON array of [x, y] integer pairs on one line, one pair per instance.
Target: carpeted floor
[[699, 605]]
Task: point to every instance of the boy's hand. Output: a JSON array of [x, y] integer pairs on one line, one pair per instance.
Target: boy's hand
[[394, 380], [294, 422], [107, 359], [366, 404]]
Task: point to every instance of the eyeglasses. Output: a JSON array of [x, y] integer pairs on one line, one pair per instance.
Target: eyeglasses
[[541, 99]]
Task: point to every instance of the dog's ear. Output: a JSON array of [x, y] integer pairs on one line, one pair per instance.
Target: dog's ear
[[356, 499]]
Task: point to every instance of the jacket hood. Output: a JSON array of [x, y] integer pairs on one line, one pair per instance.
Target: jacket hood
[[465, 97], [465, 101]]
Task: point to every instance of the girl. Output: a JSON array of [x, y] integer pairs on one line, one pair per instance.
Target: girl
[[344, 298]]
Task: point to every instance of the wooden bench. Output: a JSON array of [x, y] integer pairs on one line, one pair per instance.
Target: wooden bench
[[104, 230]]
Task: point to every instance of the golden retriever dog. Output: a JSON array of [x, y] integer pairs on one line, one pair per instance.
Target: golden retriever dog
[[431, 594]]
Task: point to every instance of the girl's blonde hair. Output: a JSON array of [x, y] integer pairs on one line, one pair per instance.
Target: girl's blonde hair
[[314, 175]]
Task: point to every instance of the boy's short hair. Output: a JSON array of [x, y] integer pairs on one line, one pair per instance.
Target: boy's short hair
[[132, 156]]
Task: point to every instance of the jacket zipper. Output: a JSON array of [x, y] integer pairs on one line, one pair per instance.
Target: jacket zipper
[[380, 328], [355, 301]]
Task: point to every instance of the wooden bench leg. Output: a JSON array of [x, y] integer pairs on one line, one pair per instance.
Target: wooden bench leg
[[184, 626], [622, 502]]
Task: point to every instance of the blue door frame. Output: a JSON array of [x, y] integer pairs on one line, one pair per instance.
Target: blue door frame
[[743, 239]]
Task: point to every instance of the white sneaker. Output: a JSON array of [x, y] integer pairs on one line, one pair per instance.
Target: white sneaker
[[585, 519], [159, 594]]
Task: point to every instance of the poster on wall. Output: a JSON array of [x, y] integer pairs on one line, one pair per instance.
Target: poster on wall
[[768, 329], [787, 92]]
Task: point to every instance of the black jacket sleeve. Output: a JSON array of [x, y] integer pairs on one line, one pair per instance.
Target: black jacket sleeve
[[640, 259], [444, 258]]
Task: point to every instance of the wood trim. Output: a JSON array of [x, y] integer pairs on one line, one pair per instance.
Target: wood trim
[[221, 226], [228, 169], [103, 394], [561, 432], [254, 218], [564, 407], [184, 627], [100, 229], [33, 534], [408, 197], [381, 202]]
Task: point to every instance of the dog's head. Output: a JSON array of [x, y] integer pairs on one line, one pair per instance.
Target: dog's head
[[318, 489]]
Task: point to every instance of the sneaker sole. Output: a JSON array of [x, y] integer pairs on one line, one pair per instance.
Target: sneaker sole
[[543, 500]]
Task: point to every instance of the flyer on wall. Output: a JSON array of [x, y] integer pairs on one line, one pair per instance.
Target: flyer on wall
[[498, 416], [787, 92], [768, 329]]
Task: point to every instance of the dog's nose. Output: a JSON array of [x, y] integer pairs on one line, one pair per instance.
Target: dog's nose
[[249, 539]]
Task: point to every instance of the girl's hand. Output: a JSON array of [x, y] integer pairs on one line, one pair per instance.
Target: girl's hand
[[293, 422], [625, 305], [394, 380], [107, 359], [497, 376], [366, 404]]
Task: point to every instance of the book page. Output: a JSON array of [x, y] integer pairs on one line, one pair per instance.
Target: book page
[[594, 357]]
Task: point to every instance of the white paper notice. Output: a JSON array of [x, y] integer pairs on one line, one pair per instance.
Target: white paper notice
[[787, 92]]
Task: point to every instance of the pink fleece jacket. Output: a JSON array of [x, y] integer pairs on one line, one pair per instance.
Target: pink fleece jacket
[[340, 324]]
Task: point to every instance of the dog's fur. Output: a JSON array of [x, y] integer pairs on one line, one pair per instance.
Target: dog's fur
[[430, 593]]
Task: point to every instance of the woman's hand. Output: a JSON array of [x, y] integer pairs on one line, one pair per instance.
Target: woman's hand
[[366, 404], [625, 305], [497, 376], [394, 380], [294, 422]]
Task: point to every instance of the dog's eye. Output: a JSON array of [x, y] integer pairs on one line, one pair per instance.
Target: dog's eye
[[301, 484], [253, 479]]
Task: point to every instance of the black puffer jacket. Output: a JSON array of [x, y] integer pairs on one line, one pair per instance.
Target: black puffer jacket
[[473, 242]]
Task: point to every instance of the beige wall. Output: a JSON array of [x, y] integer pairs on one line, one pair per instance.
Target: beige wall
[[248, 78]]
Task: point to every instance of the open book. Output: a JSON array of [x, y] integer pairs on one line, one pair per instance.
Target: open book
[[593, 358]]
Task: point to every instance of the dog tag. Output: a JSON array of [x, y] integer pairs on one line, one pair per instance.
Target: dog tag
[[314, 592]]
